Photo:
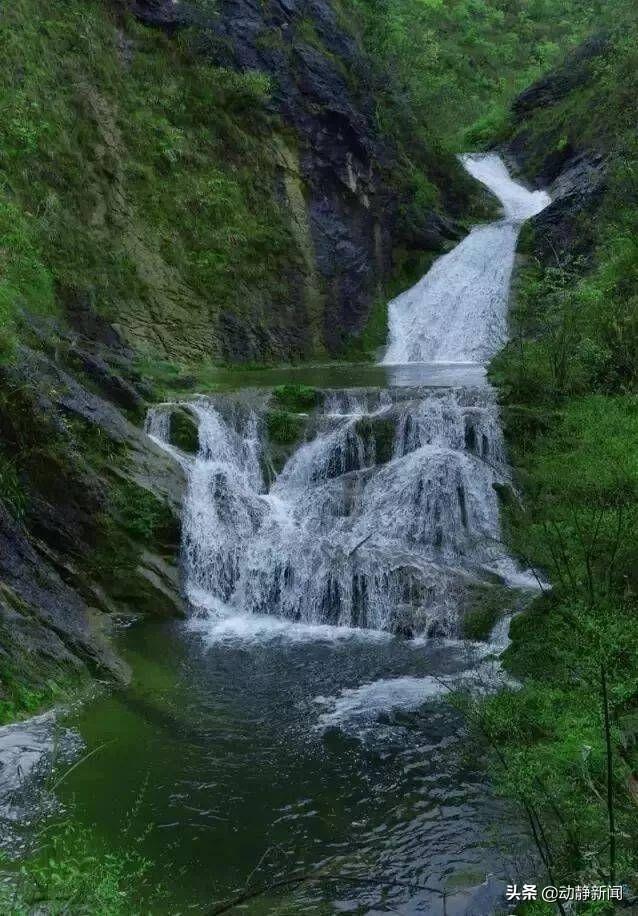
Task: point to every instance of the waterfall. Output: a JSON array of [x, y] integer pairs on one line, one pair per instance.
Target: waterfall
[[457, 313], [386, 514]]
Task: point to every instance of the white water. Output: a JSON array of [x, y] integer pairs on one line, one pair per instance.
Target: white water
[[342, 538], [457, 313], [387, 514]]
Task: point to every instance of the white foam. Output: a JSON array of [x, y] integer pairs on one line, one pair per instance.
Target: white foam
[[219, 624]]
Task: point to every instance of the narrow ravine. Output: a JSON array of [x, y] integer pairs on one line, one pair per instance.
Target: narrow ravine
[[295, 718]]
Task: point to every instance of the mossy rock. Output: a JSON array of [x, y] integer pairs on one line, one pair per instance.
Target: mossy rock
[[284, 431], [184, 431], [486, 606], [283, 428], [296, 398], [506, 495], [382, 432]]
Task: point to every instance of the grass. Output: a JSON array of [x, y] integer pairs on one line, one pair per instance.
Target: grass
[[184, 170], [72, 873]]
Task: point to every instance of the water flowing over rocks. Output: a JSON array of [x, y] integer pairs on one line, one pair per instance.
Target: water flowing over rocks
[[458, 312], [387, 514], [345, 535]]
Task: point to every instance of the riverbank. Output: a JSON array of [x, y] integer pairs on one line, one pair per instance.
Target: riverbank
[[567, 382]]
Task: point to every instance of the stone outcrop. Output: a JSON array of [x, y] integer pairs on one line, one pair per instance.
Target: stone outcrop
[[573, 172], [97, 532], [335, 167]]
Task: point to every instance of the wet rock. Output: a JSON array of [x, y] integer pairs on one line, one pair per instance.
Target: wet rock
[[575, 176], [40, 615], [27, 751], [184, 431], [114, 386], [99, 493]]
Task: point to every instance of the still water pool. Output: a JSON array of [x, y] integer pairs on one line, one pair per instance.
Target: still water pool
[[247, 750]]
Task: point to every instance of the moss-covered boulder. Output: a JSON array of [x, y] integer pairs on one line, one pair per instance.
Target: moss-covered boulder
[[283, 428], [296, 398], [184, 431], [380, 432], [486, 606]]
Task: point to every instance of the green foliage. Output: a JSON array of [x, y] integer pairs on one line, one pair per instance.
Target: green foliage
[[145, 182], [461, 59], [283, 428], [296, 398], [72, 873], [575, 317]]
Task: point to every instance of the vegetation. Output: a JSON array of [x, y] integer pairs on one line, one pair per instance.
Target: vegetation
[[140, 180], [380, 433], [458, 64], [184, 432], [488, 605], [296, 398], [565, 744], [71, 873], [24, 693], [135, 183], [283, 428]]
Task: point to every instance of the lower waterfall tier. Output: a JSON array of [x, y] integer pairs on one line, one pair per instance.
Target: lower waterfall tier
[[385, 516]]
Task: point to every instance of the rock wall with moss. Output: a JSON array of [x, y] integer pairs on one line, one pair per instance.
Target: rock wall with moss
[[212, 181]]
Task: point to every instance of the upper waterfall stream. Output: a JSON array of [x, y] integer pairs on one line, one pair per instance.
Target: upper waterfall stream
[[294, 721], [458, 312]]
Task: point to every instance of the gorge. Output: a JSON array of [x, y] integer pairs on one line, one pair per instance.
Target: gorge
[[318, 500], [328, 588]]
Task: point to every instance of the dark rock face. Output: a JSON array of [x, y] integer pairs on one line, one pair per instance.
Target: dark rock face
[[556, 85], [76, 553], [323, 87], [39, 613], [573, 175]]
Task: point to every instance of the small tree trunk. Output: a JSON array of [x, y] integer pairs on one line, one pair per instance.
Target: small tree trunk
[[611, 819]]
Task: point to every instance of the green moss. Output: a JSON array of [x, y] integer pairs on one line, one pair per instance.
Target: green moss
[[283, 428], [28, 684], [381, 432], [488, 605], [184, 431], [296, 398]]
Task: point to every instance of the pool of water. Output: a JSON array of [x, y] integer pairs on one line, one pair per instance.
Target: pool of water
[[256, 749], [350, 375]]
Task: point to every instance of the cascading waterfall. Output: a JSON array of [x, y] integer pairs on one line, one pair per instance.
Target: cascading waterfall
[[387, 513], [457, 313]]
